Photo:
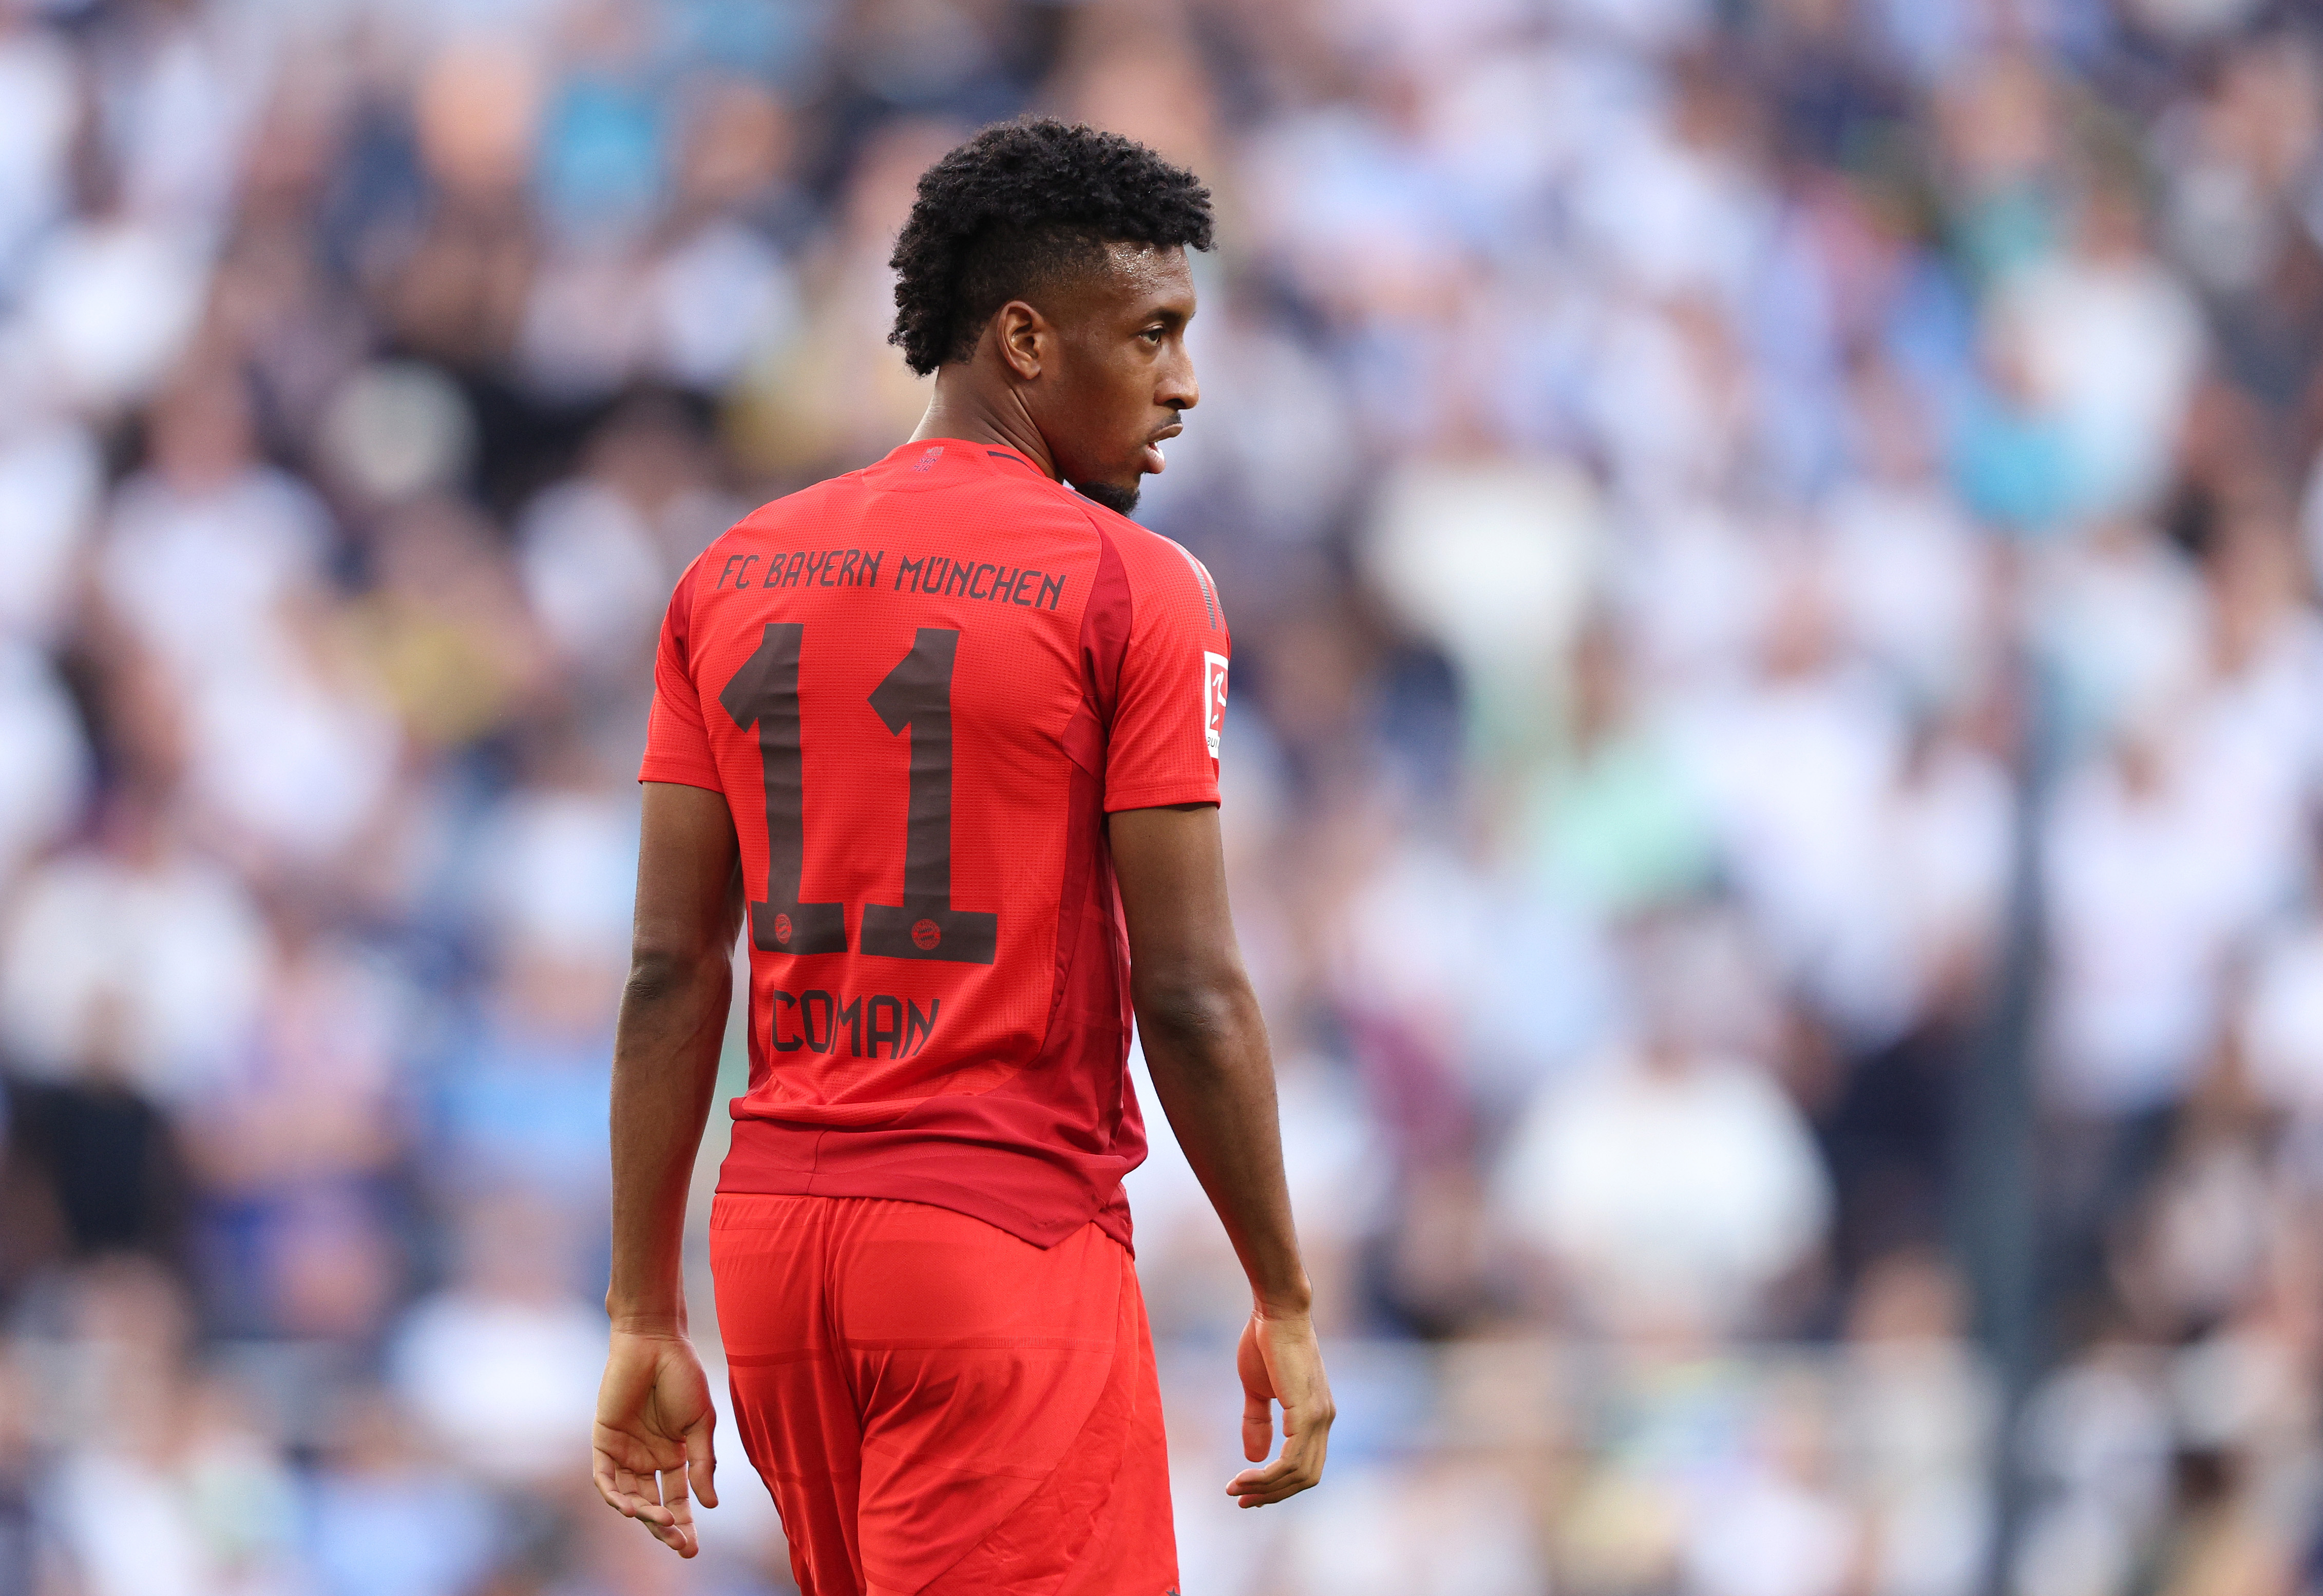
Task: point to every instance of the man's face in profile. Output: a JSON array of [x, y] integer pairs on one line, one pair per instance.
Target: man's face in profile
[[1123, 373]]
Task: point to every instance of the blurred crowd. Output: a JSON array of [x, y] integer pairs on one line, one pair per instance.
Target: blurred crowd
[[1775, 787]]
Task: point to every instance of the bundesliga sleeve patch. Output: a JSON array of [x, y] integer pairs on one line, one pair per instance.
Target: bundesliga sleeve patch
[[1214, 700]]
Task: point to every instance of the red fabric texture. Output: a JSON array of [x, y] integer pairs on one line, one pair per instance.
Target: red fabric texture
[[1080, 660], [941, 1408]]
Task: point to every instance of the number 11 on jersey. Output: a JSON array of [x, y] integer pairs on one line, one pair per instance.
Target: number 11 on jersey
[[914, 696]]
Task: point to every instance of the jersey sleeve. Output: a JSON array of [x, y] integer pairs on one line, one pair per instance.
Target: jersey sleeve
[[1172, 702], [678, 743]]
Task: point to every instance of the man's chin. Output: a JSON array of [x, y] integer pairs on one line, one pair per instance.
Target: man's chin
[[1115, 498]]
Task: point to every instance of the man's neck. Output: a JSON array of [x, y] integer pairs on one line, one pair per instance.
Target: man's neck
[[964, 407]]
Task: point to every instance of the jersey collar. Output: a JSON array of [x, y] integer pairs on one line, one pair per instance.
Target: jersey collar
[[925, 454]]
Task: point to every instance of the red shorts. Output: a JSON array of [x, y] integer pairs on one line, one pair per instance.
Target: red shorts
[[939, 1408]]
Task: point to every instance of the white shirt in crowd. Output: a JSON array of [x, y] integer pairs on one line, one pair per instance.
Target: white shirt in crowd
[[1683, 1189]]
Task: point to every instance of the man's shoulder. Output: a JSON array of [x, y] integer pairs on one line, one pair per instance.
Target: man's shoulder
[[1153, 564], [1143, 553], [1141, 547]]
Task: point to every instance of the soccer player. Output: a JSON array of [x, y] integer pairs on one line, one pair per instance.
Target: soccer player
[[943, 733]]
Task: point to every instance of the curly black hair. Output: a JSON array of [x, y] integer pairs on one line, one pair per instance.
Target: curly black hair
[[1007, 214]]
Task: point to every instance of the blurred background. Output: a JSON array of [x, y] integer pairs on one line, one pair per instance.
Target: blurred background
[[1773, 777]]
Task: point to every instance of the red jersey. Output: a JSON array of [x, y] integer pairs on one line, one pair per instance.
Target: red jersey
[[921, 688]]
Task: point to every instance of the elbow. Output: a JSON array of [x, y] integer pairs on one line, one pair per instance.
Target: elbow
[[658, 972], [1197, 1017]]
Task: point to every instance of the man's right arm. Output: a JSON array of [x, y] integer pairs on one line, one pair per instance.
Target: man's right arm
[[1206, 1046], [652, 1445]]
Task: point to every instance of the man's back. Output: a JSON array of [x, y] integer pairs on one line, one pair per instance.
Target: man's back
[[921, 687]]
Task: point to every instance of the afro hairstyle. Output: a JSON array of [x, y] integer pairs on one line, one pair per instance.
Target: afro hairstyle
[[1017, 207]]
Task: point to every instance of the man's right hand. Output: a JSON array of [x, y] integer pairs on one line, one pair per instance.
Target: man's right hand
[[652, 1439], [1279, 1362]]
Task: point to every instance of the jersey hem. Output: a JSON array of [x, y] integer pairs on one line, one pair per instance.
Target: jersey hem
[[683, 775], [1159, 797], [773, 1159]]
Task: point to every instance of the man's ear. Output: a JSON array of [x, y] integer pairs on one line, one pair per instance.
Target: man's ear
[[1027, 342]]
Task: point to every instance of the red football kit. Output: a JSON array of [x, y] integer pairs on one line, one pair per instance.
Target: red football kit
[[921, 688]]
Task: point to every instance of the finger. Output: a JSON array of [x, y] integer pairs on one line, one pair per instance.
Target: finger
[[1280, 1491], [1257, 1427], [1304, 1474], [1263, 1480], [1276, 1484], [1300, 1468], [1283, 1492], [602, 1475], [702, 1460], [659, 1521], [643, 1498], [678, 1537], [681, 1535]]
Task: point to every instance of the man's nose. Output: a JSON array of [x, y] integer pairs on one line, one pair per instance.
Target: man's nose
[[1179, 390]]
